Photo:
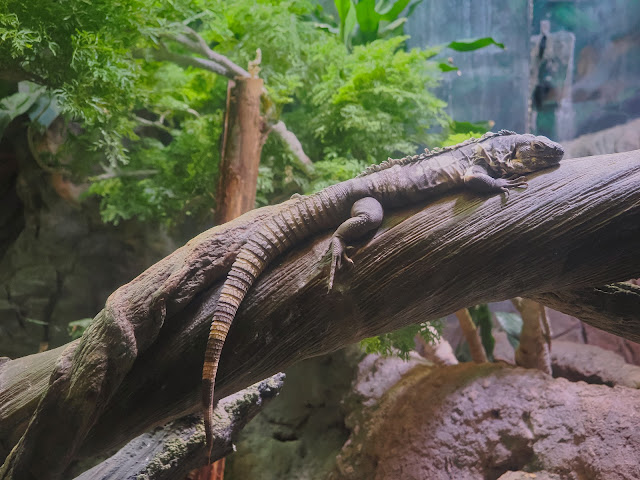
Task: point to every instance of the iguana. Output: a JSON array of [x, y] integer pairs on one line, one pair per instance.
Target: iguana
[[492, 163]]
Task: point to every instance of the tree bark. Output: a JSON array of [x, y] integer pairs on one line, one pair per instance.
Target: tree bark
[[244, 137], [535, 338], [620, 301], [471, 335], [139, 364]]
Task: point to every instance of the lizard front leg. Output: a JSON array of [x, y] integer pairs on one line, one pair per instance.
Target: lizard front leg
[[366, 215], [477, 179]]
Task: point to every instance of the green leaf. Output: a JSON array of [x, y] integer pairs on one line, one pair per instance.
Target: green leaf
[[401, 342], [368, 19], [393, 25], [469, 127], [349, 24], [36, 321], [469, 45], [390, 10], [18, 103], [77, 327], [346, 11], [447, 67], [511, 323], [482, 318]]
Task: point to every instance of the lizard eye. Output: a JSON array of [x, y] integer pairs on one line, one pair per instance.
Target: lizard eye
[[537, 146]]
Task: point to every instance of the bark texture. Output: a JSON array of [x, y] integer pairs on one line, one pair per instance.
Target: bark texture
[[471, 335], [535, 338], [614, 308], [244, 137], [139, 364]]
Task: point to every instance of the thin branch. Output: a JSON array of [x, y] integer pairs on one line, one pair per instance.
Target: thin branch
[[164, 53], [470, 332], [216, 57], [535, 339], [290, 139], [117, 174], [150, 123], [153, 455]]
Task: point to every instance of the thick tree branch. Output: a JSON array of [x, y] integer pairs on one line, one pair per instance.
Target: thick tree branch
[[613, 308], [575, 227]]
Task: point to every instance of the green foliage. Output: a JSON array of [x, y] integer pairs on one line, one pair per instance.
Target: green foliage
[[401, 342], [363, 21], [151, 130], [511, 323], [458, 132], [475, 44], [77, 327], [370, 104], [482, 318]]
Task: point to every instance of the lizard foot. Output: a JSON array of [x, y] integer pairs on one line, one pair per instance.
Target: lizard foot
[[338, 254], [504, 184]]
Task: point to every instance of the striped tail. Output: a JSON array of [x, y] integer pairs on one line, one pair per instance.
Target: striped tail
[[312, 214], [248, 265]]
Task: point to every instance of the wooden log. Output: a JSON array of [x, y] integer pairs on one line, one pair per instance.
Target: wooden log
[[577, 226]]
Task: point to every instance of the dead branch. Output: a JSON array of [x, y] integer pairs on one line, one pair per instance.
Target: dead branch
[[139, 364], [471, 335], [221, 65], [173, 450]]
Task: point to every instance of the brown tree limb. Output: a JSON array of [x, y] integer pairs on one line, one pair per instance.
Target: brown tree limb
[[471, 335], [139, 365], [244, 136], [535, 338], [613, 308]]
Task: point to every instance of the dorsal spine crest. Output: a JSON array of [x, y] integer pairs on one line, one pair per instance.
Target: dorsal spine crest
[[390, 162]]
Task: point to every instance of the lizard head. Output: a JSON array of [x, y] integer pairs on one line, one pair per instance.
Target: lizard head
[[529, 153]]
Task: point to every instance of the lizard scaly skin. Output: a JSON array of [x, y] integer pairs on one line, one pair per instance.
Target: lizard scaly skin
[[492, 163]]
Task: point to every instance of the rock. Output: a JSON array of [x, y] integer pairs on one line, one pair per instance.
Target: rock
[[299, 434], [567, 328], [473, 421], [503, 350], [593, 365], [377, 374], [529, 476]]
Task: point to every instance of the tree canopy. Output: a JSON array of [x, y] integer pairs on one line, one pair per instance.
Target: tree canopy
[[147, 129]]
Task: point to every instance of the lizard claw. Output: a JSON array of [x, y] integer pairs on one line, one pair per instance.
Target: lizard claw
[[338, 254], [504, 185]]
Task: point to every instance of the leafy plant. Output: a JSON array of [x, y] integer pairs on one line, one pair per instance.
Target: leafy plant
[[363, 21], [511, 323], [401, 342], [77, 327], [481, 316]]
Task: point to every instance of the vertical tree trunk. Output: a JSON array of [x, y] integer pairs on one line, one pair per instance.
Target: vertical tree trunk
[[470, 332], [535, 339], [244, 137]]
